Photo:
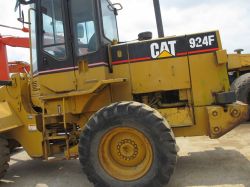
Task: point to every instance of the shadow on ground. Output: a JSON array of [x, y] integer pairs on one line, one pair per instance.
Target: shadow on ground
[[209, 168], [37, 173], [212, 168]]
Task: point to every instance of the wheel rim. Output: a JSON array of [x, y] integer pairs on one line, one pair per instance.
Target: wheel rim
[[125, 154]]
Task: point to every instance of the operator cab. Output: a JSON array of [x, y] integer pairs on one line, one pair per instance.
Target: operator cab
[[65, 32]]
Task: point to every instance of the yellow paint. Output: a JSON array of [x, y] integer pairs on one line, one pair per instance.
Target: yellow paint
[[165, 54], [49, 82], [122, 92], [222, 121], [164, 74], [207, 77], [70, 98], [8, 118], [17, 103], [73, 152], [183, 95], [178, 117], [222, 57], [125, 153], [240, 62], [119, 54]]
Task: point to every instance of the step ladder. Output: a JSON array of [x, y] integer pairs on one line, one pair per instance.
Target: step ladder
[[49, 135]]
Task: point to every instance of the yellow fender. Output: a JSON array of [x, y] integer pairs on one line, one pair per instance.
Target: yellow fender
[[8, 118]]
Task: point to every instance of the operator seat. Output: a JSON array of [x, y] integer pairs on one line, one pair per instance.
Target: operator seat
[[92, 46]]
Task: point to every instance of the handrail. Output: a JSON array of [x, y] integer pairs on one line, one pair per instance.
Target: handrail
[[83, 92]]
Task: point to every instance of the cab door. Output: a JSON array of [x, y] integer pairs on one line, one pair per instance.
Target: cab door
[[56, 68]]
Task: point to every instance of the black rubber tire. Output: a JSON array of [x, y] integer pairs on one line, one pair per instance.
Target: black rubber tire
[[13, 145], [4, 156], [241, 86], [144, 119]]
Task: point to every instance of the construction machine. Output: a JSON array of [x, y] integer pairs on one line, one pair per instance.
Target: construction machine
[[8, 68], [239, 75], [16, 66], [117, 106]]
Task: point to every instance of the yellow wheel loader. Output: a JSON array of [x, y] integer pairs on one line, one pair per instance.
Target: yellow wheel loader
[[117, 106], [239, 75]]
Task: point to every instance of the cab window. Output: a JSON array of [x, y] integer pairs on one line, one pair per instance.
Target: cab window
[[109, 20], [33, 40], [53, 29], [84, 27]]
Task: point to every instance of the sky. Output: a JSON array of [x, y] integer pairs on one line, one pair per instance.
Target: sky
[[180, 17], [9, 17]]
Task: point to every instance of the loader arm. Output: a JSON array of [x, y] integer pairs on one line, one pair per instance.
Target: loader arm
[[8, 118]]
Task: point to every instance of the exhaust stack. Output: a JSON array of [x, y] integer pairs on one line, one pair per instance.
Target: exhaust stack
[[158, 18]]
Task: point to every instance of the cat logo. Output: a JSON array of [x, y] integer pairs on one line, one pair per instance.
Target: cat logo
[[163, 50]]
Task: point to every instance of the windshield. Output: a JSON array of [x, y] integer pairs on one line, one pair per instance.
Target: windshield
[[84, 26], [109, 21]]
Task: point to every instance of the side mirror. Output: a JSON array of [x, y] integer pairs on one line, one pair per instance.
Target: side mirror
[[23, 2], [19, 3], [80, 31], [115, 7], [26, 2], [21, 18]]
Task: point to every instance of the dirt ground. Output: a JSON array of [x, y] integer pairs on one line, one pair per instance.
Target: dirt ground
[[202, 162]]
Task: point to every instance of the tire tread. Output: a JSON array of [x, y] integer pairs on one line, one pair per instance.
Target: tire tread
[[161, 132], [4, 156]]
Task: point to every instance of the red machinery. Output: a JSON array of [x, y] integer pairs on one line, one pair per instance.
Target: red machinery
[[18, 67], [12, 67]]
